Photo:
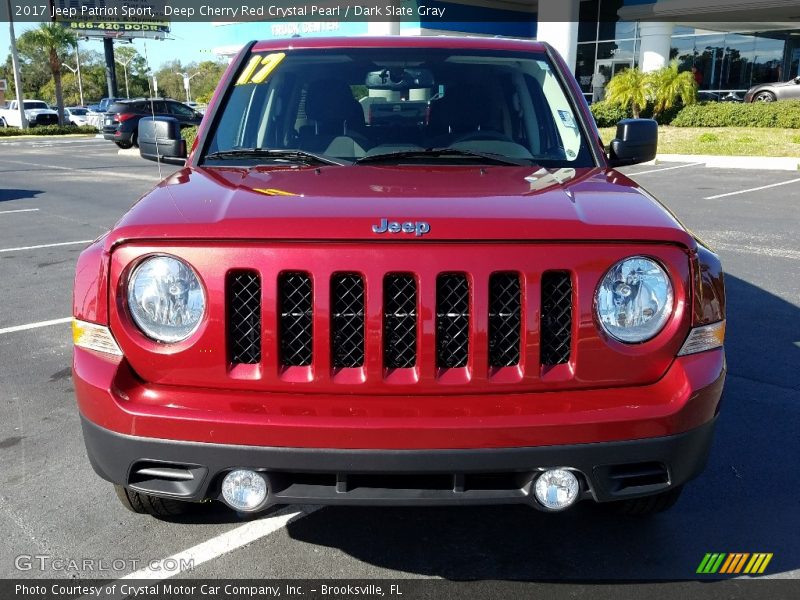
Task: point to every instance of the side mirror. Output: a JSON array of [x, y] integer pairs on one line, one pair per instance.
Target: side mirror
[[797, 80], [160, 139], [636, 142]]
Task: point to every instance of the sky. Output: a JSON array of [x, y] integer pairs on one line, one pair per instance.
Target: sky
[[192, 42]]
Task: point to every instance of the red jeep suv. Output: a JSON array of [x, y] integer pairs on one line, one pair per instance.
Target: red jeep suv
[[398, 271]]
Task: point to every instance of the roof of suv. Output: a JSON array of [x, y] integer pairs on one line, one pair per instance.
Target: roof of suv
[[468, 43]]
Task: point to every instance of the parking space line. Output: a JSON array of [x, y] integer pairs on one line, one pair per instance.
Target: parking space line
[[21, 210], [665, 169], [222, 544], [20, 248], [86, 171], [755, 189], [35, 325]]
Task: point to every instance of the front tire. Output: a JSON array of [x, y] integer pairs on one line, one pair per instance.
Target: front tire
[[124, 145], [649, 505], [764, 97], [145, 504], [3, 123]]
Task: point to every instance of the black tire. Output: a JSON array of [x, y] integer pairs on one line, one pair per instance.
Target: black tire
[[764, 97], [124, 145], [3, 123], [135, 140], [145, 504], [649, 505]]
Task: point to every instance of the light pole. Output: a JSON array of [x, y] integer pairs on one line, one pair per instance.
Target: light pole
[[23, 122], [77, 70], [186, 83], [125, 68]]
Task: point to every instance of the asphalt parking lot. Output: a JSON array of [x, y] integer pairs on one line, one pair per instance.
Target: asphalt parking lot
[[55, 196]]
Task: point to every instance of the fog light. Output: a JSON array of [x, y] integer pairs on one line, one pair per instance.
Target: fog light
[[557, 489], [244, 490]]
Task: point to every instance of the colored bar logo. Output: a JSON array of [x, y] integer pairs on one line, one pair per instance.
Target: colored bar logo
[[733, 563]]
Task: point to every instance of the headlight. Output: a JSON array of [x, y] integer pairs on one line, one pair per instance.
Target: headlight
[[166, 299], [634, 299]]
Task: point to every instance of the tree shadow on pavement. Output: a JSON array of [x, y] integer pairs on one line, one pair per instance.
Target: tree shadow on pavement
[[747, 500]]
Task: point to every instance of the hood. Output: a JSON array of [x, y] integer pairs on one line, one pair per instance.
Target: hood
[[347, 203], [39, 111]]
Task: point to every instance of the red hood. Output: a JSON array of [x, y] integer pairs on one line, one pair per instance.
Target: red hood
[[343, 203]]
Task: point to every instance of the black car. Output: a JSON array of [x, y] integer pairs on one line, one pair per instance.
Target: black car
[[122, 118]]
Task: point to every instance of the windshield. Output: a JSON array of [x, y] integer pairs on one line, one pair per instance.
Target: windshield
[[78, 111], [35, 105], [399, 104]]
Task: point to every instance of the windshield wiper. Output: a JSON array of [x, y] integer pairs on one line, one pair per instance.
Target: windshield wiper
[[443, 152], [293, 155]]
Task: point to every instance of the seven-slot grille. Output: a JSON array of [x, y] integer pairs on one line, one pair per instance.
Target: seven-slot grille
[[400, 323]]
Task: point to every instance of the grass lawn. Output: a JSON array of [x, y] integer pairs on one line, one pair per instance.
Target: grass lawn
[[723, 141]]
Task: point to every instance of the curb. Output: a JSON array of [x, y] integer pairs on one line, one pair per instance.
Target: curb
[[771, 163]]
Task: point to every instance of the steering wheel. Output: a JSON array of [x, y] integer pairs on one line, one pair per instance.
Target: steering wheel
[[477, 136]]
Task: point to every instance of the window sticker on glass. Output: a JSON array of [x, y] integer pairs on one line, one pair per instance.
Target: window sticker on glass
[[567, 119], [252, 73]]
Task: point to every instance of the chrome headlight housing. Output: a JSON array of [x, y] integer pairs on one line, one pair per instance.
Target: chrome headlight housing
[[634, 300], [165, 298]]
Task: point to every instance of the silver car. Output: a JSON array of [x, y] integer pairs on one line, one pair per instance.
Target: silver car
[[770, 92]]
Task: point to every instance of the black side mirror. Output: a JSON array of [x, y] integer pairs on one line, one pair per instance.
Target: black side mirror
[[797, 80], [160, 139], [636, 142]]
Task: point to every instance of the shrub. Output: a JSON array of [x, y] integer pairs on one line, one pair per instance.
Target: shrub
[[783, 115], [796, 139], [607, 115], [707, 138], [189, 134], [47, 130]]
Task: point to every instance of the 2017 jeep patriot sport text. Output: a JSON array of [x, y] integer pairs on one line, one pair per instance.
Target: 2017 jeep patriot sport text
[[398, 271]]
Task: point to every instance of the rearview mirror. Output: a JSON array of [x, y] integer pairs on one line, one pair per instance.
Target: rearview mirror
[[160, 139], [636, 142], [399, 79]]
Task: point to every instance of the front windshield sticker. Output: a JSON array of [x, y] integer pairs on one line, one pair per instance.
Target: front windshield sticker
[[266, 62], [567, 119]]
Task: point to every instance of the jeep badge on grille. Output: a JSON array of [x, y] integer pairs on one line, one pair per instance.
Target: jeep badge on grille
[[418, 228]]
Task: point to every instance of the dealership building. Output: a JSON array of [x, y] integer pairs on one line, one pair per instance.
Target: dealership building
[[732, 44]]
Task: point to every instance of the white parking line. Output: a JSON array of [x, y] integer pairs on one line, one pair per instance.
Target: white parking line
[[665, 169], [20, 248], [8, 212], [35, 325], [222, 544], [755, 189], [89, 172]]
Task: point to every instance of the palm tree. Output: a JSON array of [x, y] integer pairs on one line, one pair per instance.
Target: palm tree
[[668, 86], [56, 42], [629, 88]]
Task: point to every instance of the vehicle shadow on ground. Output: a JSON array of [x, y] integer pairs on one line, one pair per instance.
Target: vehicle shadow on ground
[[7, 195], [747, 500]]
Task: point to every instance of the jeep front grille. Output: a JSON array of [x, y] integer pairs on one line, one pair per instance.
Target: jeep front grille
[[244, 317], [296, 319], [399, 321], [428, 325], [347, 320]]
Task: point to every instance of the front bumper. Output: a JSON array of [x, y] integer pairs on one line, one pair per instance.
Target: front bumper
[[193, 471], [481, 449]]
